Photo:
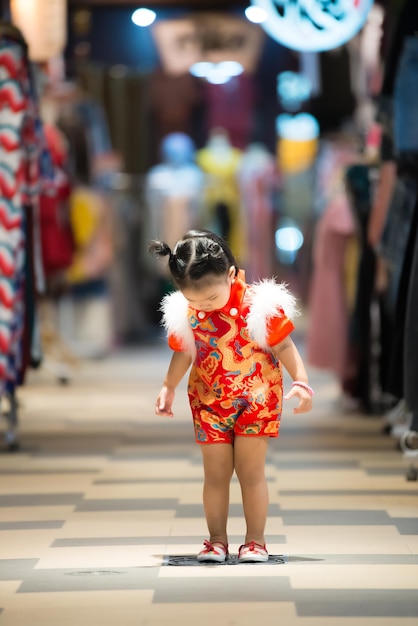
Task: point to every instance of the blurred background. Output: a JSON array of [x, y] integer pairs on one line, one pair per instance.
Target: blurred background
[[289, 127], [279, 124]]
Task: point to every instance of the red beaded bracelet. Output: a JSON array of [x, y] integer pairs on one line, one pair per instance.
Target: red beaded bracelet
[[299, 383]]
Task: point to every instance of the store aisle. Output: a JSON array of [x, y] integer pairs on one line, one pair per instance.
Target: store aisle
[[104, 496]]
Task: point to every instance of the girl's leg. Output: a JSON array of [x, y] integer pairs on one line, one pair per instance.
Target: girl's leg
[[218, 465], [249, 461]]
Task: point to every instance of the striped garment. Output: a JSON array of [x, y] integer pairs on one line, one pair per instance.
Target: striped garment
[[22, 158]]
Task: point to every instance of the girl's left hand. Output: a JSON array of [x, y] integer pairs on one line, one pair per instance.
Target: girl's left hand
[[305, 399]]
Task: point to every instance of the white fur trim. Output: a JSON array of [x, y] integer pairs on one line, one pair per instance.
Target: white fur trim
[[174, 307], [266, 298]]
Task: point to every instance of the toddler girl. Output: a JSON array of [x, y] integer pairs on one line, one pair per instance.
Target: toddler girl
[[236, 337]]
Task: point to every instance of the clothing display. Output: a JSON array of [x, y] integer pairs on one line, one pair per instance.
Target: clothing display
[[329, 300], [90, 221], [174, 100], [258, 181], [173, 190], [25, 172], [406, 99], [231, 105], [92, 166], [86, 318], [232, 346], [220, 161], [399, 92], [336, 101], [367, 337], [83, 122], [411, 327], [397, 250], [394, 239], [327, 339], [57, 239]]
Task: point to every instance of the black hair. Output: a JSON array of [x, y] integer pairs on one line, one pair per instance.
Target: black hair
[[200, 255]]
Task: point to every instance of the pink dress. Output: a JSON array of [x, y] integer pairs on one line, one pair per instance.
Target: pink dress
[[327, 333]]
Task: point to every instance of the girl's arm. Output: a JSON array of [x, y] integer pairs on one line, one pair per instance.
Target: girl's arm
[[179, 364], [289, 356]]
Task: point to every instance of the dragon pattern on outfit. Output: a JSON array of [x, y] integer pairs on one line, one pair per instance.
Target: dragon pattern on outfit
[[235, 383]]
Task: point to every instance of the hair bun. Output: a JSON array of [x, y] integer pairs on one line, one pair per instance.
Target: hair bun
[[159, 248]]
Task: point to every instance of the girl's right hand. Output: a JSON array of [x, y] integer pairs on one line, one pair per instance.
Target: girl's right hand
[[165, 402]]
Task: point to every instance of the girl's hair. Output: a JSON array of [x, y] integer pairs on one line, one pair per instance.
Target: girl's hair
[[199, 255]]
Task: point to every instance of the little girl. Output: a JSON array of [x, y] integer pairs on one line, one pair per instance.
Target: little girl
[[235, 336]]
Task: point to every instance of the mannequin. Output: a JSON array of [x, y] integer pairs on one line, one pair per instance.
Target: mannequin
[[258, 179], [220, 161], [173, 190]]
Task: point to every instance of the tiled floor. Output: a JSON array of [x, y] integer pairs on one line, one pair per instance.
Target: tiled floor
[[103, 499]]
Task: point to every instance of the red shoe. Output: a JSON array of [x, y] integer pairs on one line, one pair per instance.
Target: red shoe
[[253, 552], [213, 553]]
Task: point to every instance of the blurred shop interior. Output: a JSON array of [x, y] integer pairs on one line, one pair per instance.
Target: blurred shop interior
[[145, 121]]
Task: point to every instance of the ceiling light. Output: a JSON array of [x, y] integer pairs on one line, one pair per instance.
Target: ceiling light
[[143, 17], [201, 69], [231, 68], [257, 15], [217, 76], [216, 73]]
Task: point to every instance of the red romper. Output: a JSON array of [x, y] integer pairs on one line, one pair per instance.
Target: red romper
[[235, 386]]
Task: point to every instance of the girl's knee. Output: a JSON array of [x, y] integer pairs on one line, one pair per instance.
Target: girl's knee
[[251, 478], [250, 458]]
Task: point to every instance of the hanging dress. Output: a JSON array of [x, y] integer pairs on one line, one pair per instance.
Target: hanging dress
[[23, 156]]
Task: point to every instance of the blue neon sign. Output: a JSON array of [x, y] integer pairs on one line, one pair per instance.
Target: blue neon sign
[[313, 25]]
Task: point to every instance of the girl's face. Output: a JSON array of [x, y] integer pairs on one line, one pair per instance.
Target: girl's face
[[212, 296]]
